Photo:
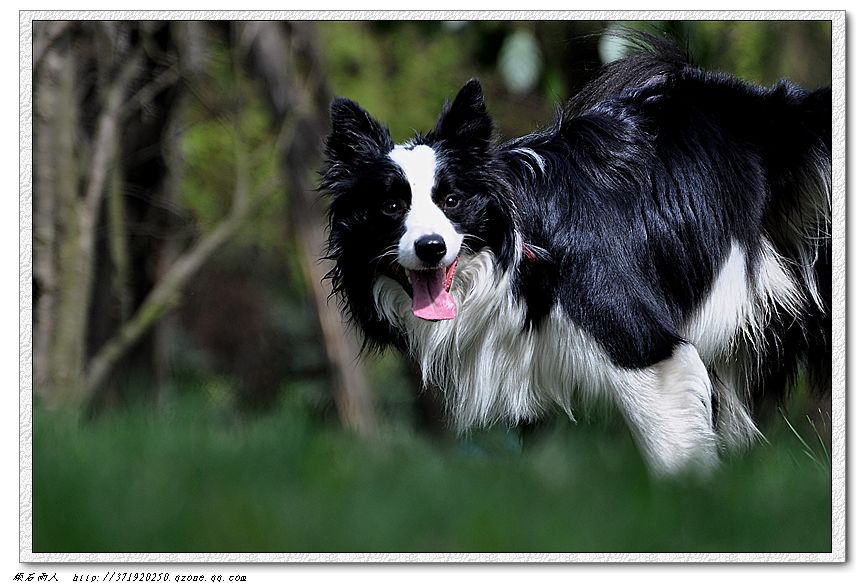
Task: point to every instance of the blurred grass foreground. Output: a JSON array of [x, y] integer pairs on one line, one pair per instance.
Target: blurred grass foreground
[[195, 390], [194, 478]]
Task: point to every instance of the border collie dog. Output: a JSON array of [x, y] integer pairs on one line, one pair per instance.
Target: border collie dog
[[664, 245]]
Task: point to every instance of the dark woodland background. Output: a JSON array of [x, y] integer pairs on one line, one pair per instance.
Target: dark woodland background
[[196, 390]]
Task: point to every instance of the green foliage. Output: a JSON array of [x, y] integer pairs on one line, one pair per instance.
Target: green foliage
[[401, 73], [208, 181], [227, 114], [763, 51], [194, 477], [759, 51]]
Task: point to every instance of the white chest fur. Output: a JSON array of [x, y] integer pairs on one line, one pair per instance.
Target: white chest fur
[[488, 365], [491, 368]]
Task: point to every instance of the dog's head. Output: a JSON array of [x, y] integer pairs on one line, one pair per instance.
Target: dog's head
[[408, 211]]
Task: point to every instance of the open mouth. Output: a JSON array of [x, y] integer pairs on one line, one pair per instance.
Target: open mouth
[[430, 291]]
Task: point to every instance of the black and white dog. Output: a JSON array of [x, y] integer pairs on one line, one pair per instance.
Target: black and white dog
[[664, 244]]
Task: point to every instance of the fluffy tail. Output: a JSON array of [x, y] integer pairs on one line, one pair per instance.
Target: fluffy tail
[[798, 224]]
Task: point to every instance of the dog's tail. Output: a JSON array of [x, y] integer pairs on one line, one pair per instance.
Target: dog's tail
[[798, 225], [652, 59]]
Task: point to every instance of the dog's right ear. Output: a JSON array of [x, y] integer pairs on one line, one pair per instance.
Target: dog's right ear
[[355, 132], [466, 121]]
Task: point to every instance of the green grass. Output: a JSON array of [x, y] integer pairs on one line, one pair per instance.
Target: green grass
[[192, 477]]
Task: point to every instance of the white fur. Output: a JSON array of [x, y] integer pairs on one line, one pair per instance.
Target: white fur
[[733, 423], [737, 308], [811, 227], [491, 369], [669, 408], [775, 290], [725, 310], [728, 331], [424, 217], [477, 354], [534, 157]]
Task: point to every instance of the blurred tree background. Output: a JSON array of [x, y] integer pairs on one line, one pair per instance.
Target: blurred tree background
[[177, 238]]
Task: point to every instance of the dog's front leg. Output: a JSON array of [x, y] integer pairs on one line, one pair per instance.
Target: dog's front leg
[[669, 408]]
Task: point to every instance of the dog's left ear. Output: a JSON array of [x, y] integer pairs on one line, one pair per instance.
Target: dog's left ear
[[466, 121]]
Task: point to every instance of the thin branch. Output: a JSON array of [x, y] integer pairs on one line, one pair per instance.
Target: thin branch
[[241, 157], [165, 295], [107, 129], [146, 94], [41, 45], [118, 245]]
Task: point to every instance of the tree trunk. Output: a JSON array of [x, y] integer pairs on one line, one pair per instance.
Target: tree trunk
[[62, 274], [278, 54], [46, 143], [67, 217]]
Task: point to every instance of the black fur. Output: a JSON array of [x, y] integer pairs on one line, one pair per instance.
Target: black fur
[[647, 178]]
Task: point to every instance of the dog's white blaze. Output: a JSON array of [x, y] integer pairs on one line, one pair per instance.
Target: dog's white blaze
[[424, 217], [490, 368]]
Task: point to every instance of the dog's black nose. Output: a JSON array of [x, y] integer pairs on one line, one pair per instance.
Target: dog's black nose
[[430, 248]]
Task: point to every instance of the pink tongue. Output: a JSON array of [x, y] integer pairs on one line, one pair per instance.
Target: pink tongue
[[430, 299]]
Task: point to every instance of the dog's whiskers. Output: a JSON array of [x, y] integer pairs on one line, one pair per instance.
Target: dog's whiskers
[[474, 237], [388, 252]]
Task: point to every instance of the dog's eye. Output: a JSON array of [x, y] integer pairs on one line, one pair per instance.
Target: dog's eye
[[392, 207], [452, 201]]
